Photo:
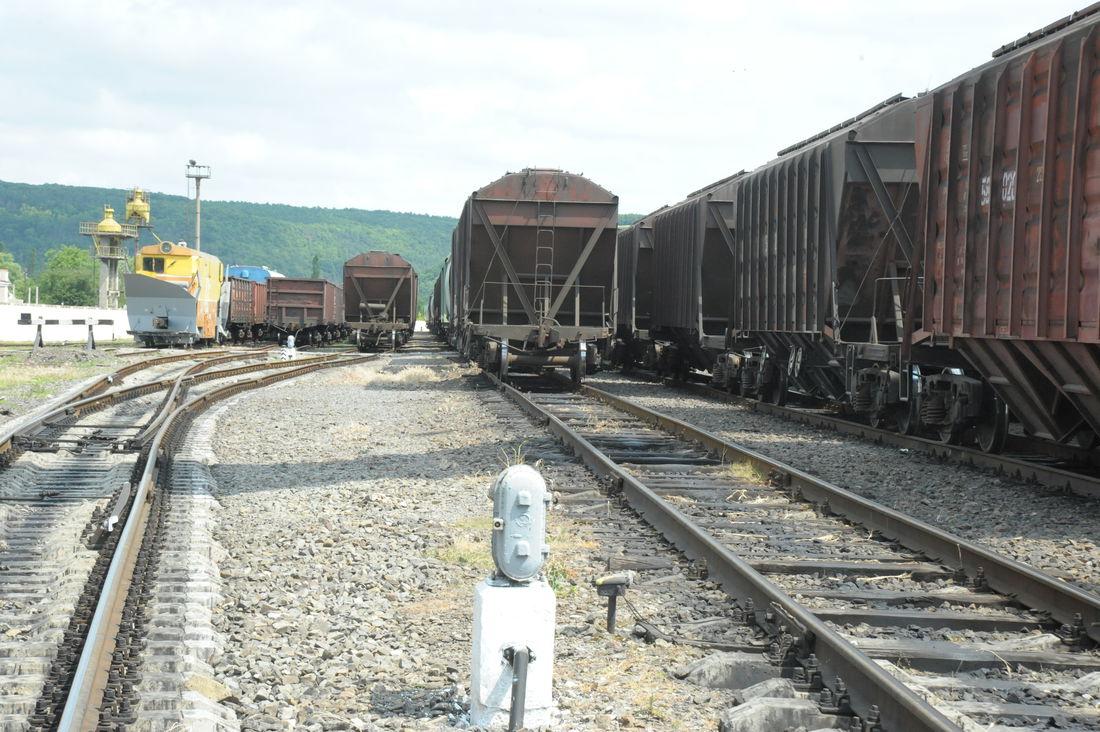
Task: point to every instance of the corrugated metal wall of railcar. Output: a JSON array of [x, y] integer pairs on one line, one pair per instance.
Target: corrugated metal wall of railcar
[[460, 265], [302, 301], [446, 291], [692, 269], [626, 257], [814, 248], [1011, 208], [677, 244]]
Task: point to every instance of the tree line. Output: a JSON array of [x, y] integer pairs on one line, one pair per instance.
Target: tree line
[[40, 246]]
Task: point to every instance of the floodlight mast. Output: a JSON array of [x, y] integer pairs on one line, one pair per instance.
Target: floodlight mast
[[198, 173]]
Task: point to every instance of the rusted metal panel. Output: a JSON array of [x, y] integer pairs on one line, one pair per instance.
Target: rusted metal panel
[[1010, 205], [240, 301], [301, 302], [259, 302], [537, 224], [379, 286], [247, 301]]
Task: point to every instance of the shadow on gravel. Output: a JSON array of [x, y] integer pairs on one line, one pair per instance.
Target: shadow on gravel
[[415, 703], [237, 478]]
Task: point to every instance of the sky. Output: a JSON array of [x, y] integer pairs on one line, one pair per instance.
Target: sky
[[410, 106]]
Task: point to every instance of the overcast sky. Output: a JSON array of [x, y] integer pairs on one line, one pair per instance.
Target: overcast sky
[[412, 105]]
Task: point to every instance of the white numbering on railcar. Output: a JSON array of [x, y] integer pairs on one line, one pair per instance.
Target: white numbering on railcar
[[1008, 188]]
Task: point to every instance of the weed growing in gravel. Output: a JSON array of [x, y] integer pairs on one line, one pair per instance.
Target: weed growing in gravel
[[517, 455], [744, 471], [22, 378], [465, 553]]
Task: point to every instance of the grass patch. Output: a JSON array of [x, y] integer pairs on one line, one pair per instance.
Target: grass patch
[[20, 379], [465, 552], [745, 471]]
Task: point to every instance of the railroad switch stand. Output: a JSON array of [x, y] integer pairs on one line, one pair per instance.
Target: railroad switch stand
[[512, 663], [613, 586]]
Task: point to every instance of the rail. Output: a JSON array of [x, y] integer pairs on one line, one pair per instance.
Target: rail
[[81, 710], [1014, 467], [869, 684]]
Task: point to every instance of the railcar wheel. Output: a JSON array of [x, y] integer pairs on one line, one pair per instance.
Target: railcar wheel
[[907, 420], [992, 432], [881, 419], [776, 391], [950, 434], [576, 371]]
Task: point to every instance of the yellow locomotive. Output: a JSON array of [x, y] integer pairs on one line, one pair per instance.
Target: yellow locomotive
[[176, 296]]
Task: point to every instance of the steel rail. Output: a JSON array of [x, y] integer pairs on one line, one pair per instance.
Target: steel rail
[[81, 709], [1029, 586], [193, 375], [868, 683], [1020, 469], [19, 426]]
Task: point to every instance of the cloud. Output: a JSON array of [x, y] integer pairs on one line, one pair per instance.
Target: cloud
[[410, 106]]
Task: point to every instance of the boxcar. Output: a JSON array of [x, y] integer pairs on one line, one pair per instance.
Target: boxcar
[[692, 262], [380, 299], [247, 309], [311, 310], [1009, 159], [533, 272], [821, 242]]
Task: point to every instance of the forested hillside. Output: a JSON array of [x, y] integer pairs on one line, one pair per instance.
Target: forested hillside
[[35, 219]]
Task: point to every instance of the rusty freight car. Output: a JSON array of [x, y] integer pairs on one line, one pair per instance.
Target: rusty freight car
[[380, 299], [311, 310], [1009, 161], [247, 317], [533, 271]]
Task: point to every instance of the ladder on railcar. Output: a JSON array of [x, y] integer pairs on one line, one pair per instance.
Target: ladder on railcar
[[545, 212]]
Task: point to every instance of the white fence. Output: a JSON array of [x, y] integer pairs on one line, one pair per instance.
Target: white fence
[[61, 323]]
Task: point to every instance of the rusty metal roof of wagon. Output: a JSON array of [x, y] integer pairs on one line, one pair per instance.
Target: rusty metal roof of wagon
[[547, 184], [375, 258]]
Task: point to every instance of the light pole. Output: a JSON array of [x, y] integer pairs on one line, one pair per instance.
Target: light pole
[[198, 173]]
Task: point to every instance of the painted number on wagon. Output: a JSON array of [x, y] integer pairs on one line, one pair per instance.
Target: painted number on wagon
[[1008, 188]]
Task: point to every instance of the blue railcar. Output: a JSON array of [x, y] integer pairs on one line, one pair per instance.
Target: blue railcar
[[251, 273]]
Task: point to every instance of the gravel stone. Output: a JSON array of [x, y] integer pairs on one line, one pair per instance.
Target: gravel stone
[[354, 518]]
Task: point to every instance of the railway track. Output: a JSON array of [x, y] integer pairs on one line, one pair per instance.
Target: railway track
[[1059, 467], [81, 483], [875, 614]]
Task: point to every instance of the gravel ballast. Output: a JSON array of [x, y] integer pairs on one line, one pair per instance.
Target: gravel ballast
[[354, 518], [1056, 533]]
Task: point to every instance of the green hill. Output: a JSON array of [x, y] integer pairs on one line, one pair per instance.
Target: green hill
[[36, 218]]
